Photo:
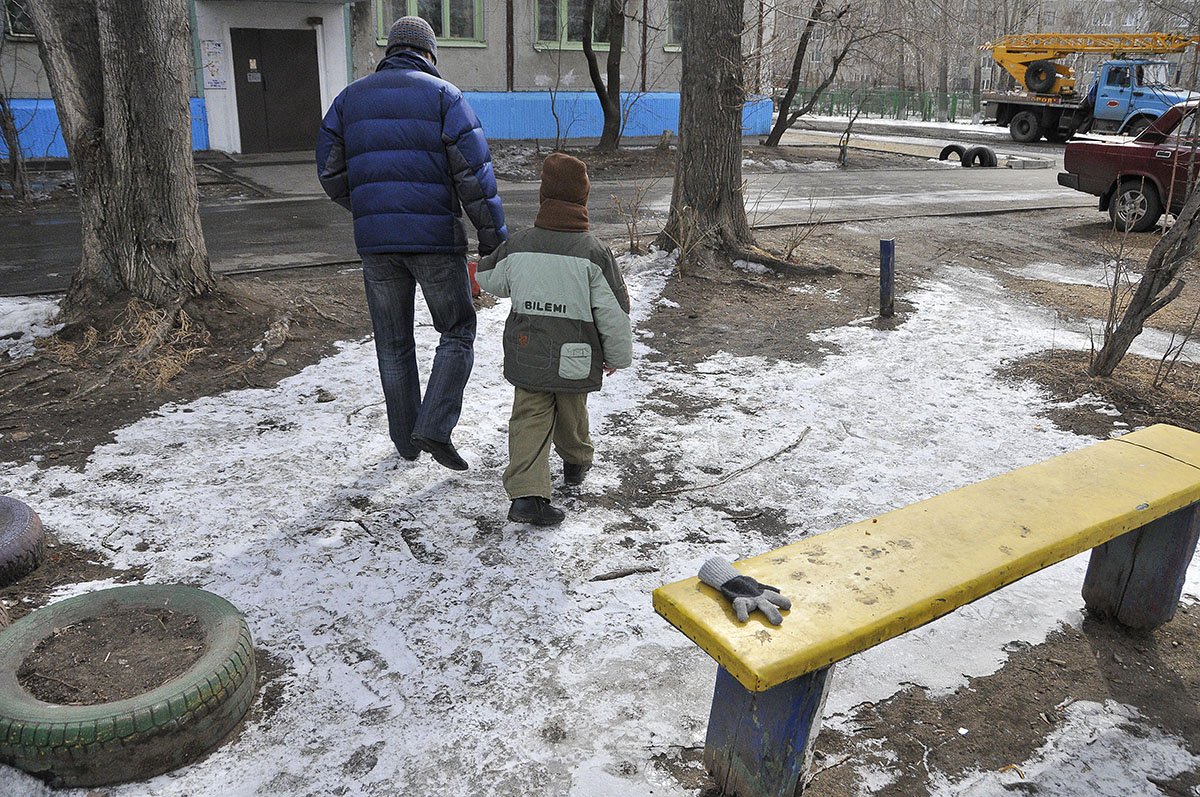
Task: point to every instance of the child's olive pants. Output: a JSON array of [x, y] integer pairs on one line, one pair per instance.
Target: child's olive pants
[[537, 419]]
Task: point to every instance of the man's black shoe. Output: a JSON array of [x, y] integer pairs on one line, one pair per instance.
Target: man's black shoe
[[535, 510], [575, 474], [443, 453]]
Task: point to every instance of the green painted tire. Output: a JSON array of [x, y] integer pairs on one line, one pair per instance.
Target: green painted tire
[[142, 736]]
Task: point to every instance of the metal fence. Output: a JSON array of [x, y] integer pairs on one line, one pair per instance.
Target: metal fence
[[891, 104]]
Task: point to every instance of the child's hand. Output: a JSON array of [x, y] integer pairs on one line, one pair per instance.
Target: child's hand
[[609, 370]]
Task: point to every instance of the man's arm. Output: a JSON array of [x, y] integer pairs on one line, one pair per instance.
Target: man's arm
[[331, 156], [471, 170]]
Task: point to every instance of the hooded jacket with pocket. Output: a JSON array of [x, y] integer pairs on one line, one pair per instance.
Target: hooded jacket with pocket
[[404, 152], [570, 309]]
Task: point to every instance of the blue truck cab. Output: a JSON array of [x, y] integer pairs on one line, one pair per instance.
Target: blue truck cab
[[1127, 95]]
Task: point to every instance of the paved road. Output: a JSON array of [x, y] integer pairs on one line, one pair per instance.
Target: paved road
[[302, 227]]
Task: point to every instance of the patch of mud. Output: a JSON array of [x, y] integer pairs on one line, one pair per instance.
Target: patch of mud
[[66, 399], [998, 721], [522, 160], [275, 674], [63, 564]]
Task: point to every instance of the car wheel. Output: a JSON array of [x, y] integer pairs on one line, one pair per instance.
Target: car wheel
[[1135, 207], [979, 156], [22, 540], [1025, 127], [1040, 77], [951, 149], [142, 736]]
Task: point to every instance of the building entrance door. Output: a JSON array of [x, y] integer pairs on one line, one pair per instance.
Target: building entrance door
[[277, 81]]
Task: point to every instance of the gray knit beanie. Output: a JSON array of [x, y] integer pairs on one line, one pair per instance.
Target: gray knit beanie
[[413, 32]]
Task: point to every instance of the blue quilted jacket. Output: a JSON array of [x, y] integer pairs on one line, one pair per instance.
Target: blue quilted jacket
[[404, 152]]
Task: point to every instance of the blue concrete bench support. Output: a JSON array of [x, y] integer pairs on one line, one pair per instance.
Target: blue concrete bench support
[[1137, 578], [761, 743]]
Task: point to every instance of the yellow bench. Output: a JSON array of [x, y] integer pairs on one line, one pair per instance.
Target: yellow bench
[[1132, 501]]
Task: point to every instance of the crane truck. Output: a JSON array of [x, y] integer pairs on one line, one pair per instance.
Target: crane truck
[[1126, 94]]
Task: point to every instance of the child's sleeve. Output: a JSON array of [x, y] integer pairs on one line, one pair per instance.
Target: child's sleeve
[[492, 272], [610, 311]]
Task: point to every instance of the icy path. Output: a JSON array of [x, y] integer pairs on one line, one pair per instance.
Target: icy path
[[433, 649]]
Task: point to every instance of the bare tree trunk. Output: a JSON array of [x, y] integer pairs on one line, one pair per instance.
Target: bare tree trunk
[[784, 120], [1158, 287], [610, 94], [22, 191], [943, 100], [707, 203], [852, 33], [120, 74]]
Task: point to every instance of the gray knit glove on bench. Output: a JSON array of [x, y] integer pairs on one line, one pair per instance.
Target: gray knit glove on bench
[[743, 592]]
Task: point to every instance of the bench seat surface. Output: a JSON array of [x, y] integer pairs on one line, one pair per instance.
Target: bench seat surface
[[856, 586]]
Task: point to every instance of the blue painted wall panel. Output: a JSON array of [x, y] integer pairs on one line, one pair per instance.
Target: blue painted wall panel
[[41, 136], [529, 114], [521, 115]]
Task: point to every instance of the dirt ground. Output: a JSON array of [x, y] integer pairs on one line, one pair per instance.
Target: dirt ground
[[67, 400], [118, 654], [522, 161]]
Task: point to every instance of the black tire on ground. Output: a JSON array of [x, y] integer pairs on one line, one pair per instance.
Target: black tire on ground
[[22, 540], [1135, 207], [979, 156], [142, 736], [1057, 136], [1025, 127], [951, 149], [1040, 77]]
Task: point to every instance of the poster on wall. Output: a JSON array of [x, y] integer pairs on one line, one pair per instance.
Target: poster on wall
[[212, 57]]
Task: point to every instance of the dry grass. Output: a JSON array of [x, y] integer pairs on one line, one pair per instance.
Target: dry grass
[[1130, 389], [150, 344]]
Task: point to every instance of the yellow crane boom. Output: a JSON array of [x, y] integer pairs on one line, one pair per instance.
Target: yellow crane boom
[[1030, 57]]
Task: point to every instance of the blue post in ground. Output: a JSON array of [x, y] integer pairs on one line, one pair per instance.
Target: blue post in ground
[[887, 277], [760, 744]]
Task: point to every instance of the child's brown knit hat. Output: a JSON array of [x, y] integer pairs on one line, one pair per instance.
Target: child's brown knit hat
[[565, 178]]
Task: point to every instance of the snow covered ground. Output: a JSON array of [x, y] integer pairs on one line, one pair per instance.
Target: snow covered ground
[[432, 648]]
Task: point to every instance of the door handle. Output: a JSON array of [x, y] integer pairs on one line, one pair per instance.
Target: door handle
[[1163, 153], [1139, 94]]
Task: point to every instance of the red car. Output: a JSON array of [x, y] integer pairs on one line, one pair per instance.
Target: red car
[[1138, 180]]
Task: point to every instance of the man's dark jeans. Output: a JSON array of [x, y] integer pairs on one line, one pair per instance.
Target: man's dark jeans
[[391, 280]]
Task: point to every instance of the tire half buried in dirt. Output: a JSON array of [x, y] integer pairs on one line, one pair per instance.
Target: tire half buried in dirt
[[979, 156], [22, 540], [951, 149], [143, 736]]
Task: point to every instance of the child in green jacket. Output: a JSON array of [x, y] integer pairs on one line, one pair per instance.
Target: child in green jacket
[[569, 325]]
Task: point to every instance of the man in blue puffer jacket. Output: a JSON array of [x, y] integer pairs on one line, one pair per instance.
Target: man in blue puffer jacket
[[403, 151]]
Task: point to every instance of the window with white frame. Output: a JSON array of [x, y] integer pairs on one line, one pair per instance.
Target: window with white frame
[[453, 21], [675, 23], [17, 22], [561, 22]]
